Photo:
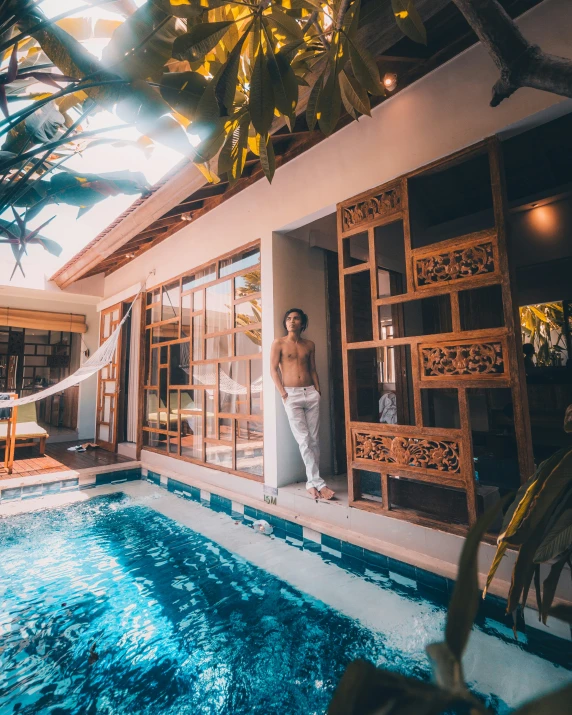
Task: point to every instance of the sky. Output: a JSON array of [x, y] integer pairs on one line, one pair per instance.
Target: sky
[[72, 233]]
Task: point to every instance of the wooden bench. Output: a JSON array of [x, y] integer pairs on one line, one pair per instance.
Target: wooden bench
[[27, 429]]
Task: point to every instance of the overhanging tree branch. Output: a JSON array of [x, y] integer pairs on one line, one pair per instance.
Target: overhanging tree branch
[[521, 63]]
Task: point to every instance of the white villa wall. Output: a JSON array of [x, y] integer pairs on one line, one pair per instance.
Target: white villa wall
[[61, 302]]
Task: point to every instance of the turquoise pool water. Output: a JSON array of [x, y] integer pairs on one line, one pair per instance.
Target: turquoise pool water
[[109, 607]]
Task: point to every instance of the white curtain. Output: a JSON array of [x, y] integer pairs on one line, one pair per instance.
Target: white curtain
[[133, 379]]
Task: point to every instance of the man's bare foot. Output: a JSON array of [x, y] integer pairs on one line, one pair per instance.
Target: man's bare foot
[[326, 493], [314, 493]]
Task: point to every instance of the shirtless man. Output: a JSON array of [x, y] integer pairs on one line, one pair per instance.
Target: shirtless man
[[293, 368]]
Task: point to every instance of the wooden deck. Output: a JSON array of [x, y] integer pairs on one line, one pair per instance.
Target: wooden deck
[[57, 459]]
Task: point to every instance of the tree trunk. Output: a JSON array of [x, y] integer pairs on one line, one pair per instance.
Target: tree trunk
[[521, 63]]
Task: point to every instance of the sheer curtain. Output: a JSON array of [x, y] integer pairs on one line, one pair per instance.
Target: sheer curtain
[[134, 361]]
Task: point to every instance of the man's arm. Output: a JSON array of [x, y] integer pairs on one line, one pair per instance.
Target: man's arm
[[275, 368], [313, 371]]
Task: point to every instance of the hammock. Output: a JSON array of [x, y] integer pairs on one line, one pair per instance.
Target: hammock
[[100, 358]]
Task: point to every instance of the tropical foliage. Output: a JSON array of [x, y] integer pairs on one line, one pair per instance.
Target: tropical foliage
[[543, 326], [211, 79], [366, 690], [538, 524]]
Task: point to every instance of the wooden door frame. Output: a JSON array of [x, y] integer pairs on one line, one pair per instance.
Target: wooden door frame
[[111, 444]]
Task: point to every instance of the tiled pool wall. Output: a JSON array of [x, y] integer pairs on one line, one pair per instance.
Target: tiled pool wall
[[410, 580], [68, 484]]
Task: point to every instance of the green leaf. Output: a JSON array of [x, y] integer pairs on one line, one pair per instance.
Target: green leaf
[[240, 149], [329, 104], [547, 497], [409, 21], [227, 81], [212, 142], [261, 95], [201, 39], [354, 95], [447, 668], [183, 91], [557, 703], [364, 67], [284, 82], [225, 156], [464, 602], [208, 110], [557, 540], [313, 100], [267, 158], [550, 584], [151, 35], [366, 690], [286, 25]]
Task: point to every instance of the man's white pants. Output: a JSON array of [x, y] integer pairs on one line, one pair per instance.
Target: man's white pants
[[303, 410]]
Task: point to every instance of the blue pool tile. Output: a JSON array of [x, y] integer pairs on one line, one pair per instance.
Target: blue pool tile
[[293, 541], [432, 580], [250, 512], [154, 478], [355, 552], [33, 490], [279, 533], [276, 522], [375, 561], [327, 551], [52, 488], [221, 504], [401, 568], [177, 487], [295, 530], [236, 515], [401, 580], [70, 484], [195, 494], [353, 565], [331, 543], [11, 493], [313, 546]]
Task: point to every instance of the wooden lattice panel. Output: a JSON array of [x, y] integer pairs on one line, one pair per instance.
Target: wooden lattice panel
[[412, 452], [383, 203], [466, 359], [455, 264]]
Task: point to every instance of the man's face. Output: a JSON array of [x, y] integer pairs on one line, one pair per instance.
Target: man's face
[[293, 322]]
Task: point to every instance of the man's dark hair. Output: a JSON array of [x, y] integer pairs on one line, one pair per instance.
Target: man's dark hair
[[303, 317], [528, 349]]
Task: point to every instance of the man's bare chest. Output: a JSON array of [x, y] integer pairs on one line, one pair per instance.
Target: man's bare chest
[[295, 354]]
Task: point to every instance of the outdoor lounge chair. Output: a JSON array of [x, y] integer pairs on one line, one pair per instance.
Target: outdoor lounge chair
[[27, 429]]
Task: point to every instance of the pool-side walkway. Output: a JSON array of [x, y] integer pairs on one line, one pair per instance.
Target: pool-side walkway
[[57, 459]]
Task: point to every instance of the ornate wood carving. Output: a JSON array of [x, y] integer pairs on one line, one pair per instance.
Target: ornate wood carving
[[473, 359], [422, 453], [454, 265], [381, 204]]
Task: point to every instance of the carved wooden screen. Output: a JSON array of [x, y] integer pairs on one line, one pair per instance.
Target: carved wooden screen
[[416, 339], [108, 384]]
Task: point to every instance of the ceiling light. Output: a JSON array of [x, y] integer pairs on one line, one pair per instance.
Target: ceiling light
[[390, 81], [129, 255], [534, 205], [187, 216]]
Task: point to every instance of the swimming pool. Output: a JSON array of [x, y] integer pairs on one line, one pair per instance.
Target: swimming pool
[[110, 606]]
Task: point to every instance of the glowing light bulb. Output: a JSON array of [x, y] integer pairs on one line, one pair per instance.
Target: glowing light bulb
[[390, 81]]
